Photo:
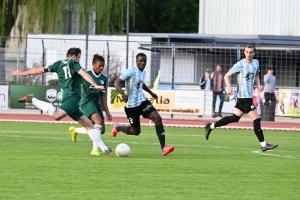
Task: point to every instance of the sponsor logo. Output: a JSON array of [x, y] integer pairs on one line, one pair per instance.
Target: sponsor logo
[[51, 95]]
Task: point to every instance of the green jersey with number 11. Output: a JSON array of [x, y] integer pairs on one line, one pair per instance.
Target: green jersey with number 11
[[67, 71]]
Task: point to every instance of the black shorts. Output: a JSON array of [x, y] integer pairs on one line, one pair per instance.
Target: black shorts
[[245, 105], [133, 114]]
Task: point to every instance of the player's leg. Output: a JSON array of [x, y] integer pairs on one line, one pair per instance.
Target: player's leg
[[133, 117], [259, 132], [42, 105], [223, 122], [148, 111], [94, 134], [221, 96], [89, 109], [98, 121]]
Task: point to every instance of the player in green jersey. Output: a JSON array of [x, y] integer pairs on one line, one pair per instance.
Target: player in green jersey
[[69, 73], [93, 101]]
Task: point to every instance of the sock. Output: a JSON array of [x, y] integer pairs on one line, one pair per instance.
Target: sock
[[44, 106], [96, 137], [81, 130], [125, 129], [258, 131], [264, 143], [227, 120], [98, 129], [212, 126], [160, 131]]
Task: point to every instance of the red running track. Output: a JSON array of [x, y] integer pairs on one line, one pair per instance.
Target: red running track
[[168, 122]]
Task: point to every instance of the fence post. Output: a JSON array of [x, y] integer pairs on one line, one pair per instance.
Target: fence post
[[173, 64], [18, 61], [43, 60], [173, 68], [108, 57]]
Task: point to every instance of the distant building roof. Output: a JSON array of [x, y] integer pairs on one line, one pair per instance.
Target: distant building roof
[[222, 39]]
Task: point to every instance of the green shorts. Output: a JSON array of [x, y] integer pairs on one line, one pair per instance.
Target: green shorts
[[70, 105], [89, 108]]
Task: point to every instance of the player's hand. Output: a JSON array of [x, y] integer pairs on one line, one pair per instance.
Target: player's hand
[[154, 95], [99, 87], [230, 90], [260, 88], [18, 73], [125, 98], [109, 117]]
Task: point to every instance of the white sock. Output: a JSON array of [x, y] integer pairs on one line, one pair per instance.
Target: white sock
[[96, 137], [264, 143], [81, 130], [98, 129], [95, 146], [44, 106], [212, 126]]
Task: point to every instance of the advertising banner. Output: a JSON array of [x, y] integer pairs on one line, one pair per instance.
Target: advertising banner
[[169, 101], [3, 97], [44, 93], [287, 102]]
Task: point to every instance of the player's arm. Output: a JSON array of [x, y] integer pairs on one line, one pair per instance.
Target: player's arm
[[33, 71], [118, 86], [227, 82], [257, 80], [149, 91], [89, 79], [103, 99]]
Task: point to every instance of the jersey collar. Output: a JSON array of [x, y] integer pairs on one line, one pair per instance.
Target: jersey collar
[[96, 74]]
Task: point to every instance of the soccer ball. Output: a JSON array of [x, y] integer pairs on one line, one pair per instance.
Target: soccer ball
[[122, 150]]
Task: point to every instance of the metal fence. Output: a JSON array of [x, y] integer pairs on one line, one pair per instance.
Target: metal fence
[[181, 64]]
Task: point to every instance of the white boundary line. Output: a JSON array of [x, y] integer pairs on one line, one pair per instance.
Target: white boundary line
[[176, 145], [166, 125]]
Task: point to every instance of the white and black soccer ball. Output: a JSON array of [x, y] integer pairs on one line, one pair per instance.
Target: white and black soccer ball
[[122, 150]]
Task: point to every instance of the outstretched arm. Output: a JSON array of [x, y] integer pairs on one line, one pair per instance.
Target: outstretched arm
[[89, 79], [38, 70]]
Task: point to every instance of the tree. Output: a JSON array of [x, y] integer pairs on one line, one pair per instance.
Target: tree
[[166, 16], [50, 16]]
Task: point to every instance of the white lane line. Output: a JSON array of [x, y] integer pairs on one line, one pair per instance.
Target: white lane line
[[181, 145], [275, 155], [200, 125]]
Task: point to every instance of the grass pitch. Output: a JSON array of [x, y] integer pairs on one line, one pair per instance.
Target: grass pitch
[[39, 161]]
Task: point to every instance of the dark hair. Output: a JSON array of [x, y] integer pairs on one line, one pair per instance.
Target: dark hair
[[96, 57], [250, 46], [140, 55], [73, 52]]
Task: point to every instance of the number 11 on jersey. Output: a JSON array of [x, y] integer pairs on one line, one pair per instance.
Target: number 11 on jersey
[[67, 72]]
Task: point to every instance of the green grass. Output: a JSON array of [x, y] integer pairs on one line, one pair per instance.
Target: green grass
[[39, 161]]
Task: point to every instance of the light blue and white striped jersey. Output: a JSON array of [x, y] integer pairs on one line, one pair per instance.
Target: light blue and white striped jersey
[[134, 80], [246, 76]]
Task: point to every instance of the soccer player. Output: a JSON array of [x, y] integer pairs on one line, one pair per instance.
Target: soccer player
[[247, 71], [136, 103], [70, 74], [92, 101]]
